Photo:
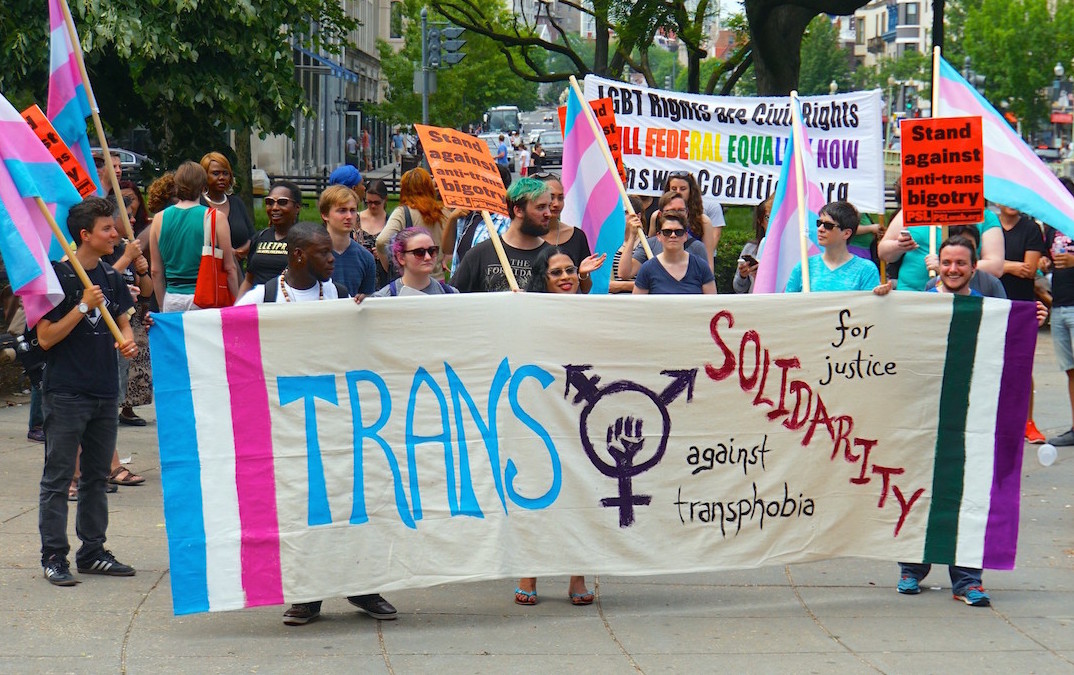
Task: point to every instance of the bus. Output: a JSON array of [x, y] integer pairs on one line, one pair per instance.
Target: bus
[[503, 119]]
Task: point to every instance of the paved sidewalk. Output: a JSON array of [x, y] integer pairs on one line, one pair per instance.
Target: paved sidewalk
[[835, 616]]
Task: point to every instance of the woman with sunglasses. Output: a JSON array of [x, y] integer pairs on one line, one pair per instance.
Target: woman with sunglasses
[[674, 271], [699, 224], [634, 253], [415, 257], [837, 269], [371, 222], [554, 271], [218, 195], [268, 249]]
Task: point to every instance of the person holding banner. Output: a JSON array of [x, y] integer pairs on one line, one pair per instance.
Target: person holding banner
[[837, 269], [910, 245], [176, 240], [415, 254], [355, 267], [634, 255], [80, 397], [480, 271], [701, 227], [674, 271]]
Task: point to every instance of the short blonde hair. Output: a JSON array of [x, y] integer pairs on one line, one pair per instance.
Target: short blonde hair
[[335, 195]]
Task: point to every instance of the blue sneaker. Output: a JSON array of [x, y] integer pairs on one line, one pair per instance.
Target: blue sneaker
[[974, 596], [909, 586]]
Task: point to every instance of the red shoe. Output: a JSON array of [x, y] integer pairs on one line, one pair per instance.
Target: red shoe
[[1033, 434]]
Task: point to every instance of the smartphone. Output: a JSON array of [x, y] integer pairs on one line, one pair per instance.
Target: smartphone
[[749, 259]]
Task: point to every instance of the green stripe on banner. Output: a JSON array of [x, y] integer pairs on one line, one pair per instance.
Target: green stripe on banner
[[950, 461]]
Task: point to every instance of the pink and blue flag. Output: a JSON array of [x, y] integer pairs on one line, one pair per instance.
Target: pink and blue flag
[[28, 170], [591, 195], [781, 249], [1013, 175], [68, 102]]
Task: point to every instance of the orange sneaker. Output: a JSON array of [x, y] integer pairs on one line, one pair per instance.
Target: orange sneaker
[[1033, 434]]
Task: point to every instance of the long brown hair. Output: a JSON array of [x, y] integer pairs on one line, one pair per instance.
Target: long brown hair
[[417, 190], [695, 208]]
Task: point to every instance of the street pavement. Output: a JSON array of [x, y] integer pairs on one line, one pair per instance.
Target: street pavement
[[836, 616]]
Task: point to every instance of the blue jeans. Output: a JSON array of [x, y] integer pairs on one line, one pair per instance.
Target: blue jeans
[[73, 420], [961, 577]]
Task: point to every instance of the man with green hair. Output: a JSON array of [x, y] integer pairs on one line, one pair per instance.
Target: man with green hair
[[529, 205]]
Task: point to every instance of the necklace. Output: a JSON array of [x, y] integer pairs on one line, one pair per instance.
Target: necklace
[[212, 201], [287, 296]]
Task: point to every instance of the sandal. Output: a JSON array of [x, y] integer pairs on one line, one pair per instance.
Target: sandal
[[581, 599], [525, 597], [124, 476]]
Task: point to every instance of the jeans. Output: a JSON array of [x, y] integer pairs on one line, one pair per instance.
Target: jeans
[[72, 420], [961, 577], [36, 417]]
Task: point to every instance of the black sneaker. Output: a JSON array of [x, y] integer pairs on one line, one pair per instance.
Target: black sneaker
[[106, 563], [374, 605], [301, 613], [37, 435], [58, 571]]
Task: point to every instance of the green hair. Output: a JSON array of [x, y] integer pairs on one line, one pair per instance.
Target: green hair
[[522, 191]]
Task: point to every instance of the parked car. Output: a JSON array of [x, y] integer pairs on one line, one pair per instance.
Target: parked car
[[493, 141], [136, 166], [552, 142]]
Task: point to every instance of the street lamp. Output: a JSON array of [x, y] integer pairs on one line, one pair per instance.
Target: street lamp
[[833, 87]]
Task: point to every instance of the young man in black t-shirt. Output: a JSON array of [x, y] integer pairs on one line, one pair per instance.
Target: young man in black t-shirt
[[529, 203], [80, 397]]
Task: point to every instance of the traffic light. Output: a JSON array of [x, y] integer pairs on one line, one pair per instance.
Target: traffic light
[[451, 44], [433, 48], [910, 98]]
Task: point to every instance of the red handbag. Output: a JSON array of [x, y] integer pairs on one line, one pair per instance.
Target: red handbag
[[212, 289]]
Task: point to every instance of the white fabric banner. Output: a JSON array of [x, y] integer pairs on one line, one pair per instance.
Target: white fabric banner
[[323, 449], [734, 145]]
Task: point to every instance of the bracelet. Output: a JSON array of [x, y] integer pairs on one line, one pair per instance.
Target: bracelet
[[583, 275]]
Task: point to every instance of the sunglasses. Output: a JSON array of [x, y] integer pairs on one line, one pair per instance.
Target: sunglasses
[[679, 174], [374, 202], [828, 225], [544, 175], [556, 273], [282, 201], [671, 232], [430, 252]]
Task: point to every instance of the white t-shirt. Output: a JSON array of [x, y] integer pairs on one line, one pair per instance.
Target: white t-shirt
[[714, 210], [256, 295], [524, 157]]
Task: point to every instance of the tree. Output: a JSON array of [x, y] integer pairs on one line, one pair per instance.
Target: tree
[[186, 70], [464, 91], [824, 60]]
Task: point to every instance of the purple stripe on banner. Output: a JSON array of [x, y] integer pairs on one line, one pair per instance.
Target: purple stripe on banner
[[1001, 535], [255, 475]]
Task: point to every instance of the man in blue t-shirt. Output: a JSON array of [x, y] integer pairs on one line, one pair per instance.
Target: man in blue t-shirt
[[837, 269], [501, 152]]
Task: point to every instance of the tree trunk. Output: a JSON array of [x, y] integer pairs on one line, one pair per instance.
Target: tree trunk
[[243, 168], [776, 35], [600, 51]]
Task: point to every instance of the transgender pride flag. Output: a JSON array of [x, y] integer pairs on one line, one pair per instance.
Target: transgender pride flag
[[1013, 175], [28, 170], [68, 104], [591, 193], [781, 249]]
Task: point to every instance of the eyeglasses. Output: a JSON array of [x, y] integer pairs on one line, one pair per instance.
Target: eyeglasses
[[282, 201], [544, 175], [127, 201], [679, 174], [557, 272], [430, 252], [374, 202], [671, 232]]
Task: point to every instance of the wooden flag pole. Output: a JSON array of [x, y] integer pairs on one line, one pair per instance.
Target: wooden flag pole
[[935, 113], [77, 50], [883, 263], [108, 320], [799, 175], [500, 253], [588, 112]]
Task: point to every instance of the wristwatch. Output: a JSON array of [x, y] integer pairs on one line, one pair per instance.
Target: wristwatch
[[83, 308]]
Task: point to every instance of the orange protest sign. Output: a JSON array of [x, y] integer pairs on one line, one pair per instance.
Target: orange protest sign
[[942, 171], [602, 108], [464, 170], [76, 173]]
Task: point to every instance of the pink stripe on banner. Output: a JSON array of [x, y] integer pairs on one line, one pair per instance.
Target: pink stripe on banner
[[55, 14], [255, 474], [602, 201], [63, 85], [18, 143], [580, 145]]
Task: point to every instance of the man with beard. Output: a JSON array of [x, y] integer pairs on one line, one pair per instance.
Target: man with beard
[[529, 203]]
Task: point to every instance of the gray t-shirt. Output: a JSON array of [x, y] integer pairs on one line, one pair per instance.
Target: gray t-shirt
[[434, 288], [693, 247]]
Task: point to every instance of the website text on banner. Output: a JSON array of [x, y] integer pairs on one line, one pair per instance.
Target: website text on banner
[[747, 444], [464, 170], [942, 171], [735, 145]]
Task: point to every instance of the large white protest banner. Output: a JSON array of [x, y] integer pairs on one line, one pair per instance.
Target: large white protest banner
[[326, 449], [734, 145]]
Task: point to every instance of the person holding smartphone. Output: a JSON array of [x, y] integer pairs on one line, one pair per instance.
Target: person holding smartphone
[[747, 260]]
